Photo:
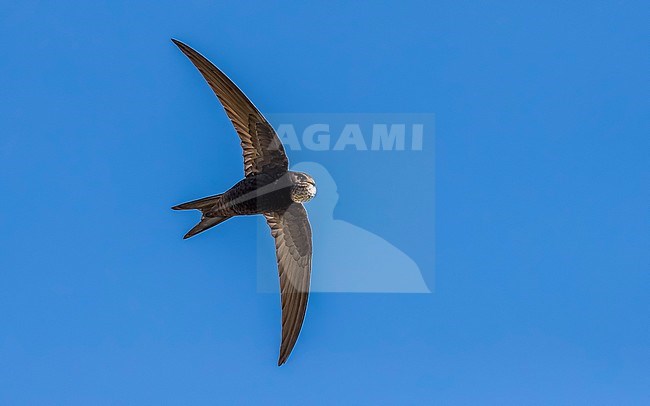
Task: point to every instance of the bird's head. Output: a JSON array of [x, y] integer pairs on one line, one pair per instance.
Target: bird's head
[[303, 187]]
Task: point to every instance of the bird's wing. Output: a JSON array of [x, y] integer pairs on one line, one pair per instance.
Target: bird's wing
[[262, 148], [293, 248]]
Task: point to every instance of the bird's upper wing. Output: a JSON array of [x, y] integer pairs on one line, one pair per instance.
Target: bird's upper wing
[[262, 148], [293, 248]]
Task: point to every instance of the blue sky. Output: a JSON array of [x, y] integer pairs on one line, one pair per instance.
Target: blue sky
[[539, 265]]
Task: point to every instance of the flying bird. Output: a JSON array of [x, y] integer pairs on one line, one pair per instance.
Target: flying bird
[[268, 188]]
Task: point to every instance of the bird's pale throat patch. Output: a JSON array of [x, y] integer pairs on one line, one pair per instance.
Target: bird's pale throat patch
[[303, 193]]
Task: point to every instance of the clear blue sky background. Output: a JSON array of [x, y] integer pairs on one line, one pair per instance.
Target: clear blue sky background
[[541, 271]]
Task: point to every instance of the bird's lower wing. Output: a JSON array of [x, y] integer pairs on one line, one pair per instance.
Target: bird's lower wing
[[293, 246]]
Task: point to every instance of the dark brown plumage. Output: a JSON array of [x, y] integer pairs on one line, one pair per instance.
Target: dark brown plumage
[[268, 188]]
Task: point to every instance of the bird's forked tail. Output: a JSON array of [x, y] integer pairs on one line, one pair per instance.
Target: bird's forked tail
[[204, 205]]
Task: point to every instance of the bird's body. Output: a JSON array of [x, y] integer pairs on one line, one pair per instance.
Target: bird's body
[[263, 193], [268, 188], [257, 194]]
